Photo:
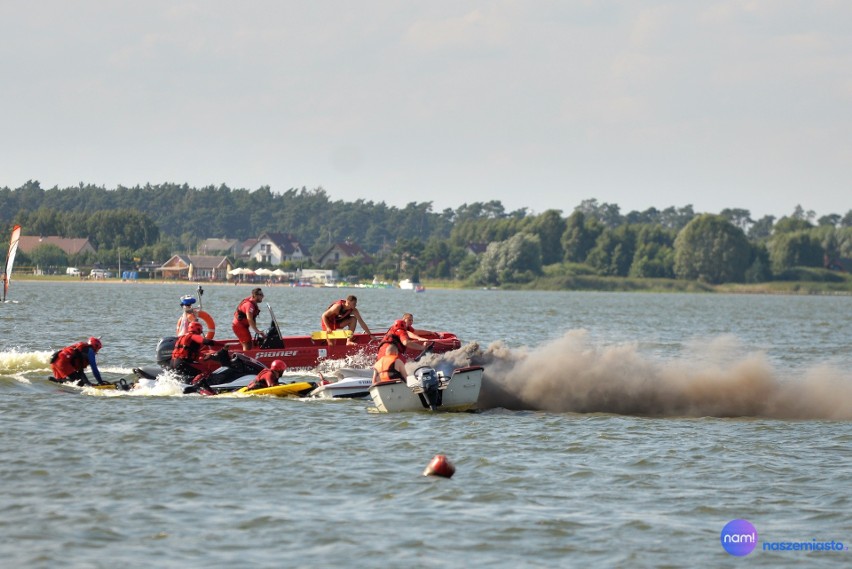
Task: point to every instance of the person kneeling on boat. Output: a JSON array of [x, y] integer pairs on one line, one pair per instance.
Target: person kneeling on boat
[[68, 363], [400, 334], [187, 349], [343, 314], [268, 377], [389, 367]]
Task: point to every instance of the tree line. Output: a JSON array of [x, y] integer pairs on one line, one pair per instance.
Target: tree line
[[152, 222]]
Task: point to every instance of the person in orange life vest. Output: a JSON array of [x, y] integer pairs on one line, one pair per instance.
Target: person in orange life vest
[[189, 315], [187, 349], [390, 366], [68, 363], [268, 377], [343, 314], [244, 318], [400, 335]]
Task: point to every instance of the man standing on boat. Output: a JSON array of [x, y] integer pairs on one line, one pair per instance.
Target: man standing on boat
[[400, 334], [68, 363], [244, 318], [343, 314]]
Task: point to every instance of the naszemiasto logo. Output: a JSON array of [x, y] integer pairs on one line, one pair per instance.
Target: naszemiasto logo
[[739, 537]]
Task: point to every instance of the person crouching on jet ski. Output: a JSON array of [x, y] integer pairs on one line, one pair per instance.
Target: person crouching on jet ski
[[187, 349], [68, 363], [268, 377]]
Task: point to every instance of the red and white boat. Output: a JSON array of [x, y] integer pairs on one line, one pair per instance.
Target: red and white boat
[[306, 352]]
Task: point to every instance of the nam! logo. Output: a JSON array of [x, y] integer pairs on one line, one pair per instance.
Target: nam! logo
[[739, 537]]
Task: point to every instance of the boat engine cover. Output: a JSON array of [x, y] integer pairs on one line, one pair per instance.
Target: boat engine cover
[[427, 378], [164, 350]]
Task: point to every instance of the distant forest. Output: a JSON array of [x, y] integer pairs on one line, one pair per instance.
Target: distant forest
[[152, 222]]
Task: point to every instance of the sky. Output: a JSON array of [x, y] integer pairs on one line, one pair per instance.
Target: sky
[[540, 104]]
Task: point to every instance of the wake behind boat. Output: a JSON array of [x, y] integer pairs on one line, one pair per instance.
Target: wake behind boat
[[428, 390]]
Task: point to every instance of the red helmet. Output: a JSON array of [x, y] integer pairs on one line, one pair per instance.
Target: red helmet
[[95, 343], [278, 365], [194, 328]]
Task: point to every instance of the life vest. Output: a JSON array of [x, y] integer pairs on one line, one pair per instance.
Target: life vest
[[265, 378], [70, 359], [187, 347], [74, 354], [344, 312], [392, 336], [387, 371], [241, 314]]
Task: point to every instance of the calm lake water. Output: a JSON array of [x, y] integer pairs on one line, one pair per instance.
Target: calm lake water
[[616, 430]]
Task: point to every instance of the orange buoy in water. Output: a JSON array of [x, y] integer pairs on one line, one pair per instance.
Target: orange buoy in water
[[440, 466]]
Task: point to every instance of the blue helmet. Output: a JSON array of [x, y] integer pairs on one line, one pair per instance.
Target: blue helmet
[[187, 300]]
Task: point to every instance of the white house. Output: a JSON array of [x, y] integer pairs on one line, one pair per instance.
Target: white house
[[275, 248]]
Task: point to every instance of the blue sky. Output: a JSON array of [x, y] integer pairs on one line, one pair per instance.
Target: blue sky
[[539, 104]]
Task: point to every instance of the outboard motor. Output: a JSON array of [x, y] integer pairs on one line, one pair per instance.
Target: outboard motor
[[164, 350], [428, 385]]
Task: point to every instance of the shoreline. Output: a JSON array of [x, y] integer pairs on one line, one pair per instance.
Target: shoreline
[[797, 288]]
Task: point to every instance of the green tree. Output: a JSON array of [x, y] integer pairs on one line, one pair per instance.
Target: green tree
[[613, 252], [48, 255], [654, 257], [762, 228], [580, 235], [794, 249], [516, 260], [710, 249], [549, 227]]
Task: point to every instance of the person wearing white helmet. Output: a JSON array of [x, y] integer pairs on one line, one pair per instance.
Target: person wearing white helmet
[[189, 315]]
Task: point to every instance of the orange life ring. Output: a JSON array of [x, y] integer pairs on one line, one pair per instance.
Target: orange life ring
[[211, 324]]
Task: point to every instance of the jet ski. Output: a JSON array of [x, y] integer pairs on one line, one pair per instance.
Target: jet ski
[[232, 373]]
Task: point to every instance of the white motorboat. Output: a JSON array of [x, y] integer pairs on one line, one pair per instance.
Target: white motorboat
[[344, 384], [428, 390]]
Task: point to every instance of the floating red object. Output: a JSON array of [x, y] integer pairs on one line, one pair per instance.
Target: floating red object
[[440, 466]]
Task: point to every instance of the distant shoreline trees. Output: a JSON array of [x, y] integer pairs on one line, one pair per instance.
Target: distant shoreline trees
[[152, 222]]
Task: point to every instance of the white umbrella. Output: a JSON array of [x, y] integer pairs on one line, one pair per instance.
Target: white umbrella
[[278, 273], [263, 272]]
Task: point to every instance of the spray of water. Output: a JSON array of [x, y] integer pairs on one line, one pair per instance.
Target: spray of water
[[713, 379]]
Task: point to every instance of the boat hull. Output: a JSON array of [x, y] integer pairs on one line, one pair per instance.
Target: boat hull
[[345, 388], [458, 393], [303, 353]]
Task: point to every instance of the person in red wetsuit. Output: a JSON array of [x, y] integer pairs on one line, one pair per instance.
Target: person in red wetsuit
[[389, 367], [400, 335], [244, 318], [68, 363], [343, 314], [268, 377], [185, 355]]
